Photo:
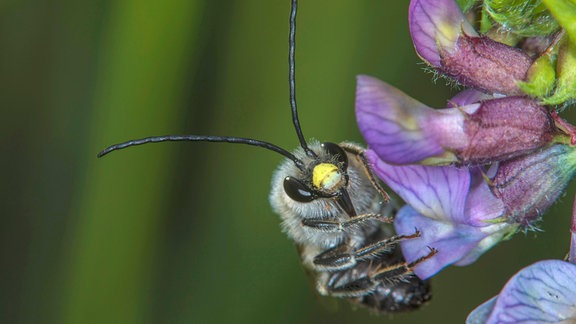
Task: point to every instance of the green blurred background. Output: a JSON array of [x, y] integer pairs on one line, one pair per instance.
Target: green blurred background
[[181, 233]]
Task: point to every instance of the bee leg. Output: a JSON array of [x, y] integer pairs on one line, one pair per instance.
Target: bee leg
[[338, 258], [356, 288], [373, 249], [358, 152], [336, 226], [341, 284], [401, 269], [343, 256]]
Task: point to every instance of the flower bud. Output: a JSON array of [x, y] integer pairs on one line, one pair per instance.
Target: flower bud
[[485, 64], [445, 39], [402, 130], [505, 127], [528, 185]]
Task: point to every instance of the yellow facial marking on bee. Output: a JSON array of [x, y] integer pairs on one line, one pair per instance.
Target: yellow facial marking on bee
[[326, 176]]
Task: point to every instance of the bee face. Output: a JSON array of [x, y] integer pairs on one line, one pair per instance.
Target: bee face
[[334, 204]]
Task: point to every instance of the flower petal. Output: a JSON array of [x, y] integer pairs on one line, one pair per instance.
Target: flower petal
[[403, 130], [435, 23], [435, 192], [388, 120], [572, 252], [480, 314], [544, 292], [453, 242], [481, 205], [466, 97], [489, 235]]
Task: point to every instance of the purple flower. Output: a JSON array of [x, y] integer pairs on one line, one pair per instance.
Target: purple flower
[[528, 185], [439, 206], [476, 130], [572, 254], [435, 26], [480, 170], [444, 39], [542, 292], [462, 214], [468, 96]]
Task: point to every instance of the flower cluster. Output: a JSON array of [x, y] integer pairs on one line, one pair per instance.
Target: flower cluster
[[498, 156]]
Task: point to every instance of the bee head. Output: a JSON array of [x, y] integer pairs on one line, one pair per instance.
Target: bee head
[[326, 177]]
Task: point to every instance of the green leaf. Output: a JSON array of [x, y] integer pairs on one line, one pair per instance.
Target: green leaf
[[466, 4], [485, 22], [565, 12], [566, 71], [541, 77], [522, 17]]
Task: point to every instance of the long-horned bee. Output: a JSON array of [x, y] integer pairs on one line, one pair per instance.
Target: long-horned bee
[[333, 208]]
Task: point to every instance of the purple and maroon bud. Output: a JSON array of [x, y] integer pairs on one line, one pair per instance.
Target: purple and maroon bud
[[483, 63], [444, 39], [506, 127], [530, 184], [402, 130]]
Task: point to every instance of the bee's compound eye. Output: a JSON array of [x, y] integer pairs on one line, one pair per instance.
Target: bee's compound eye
[[336, 150], [298, 191]]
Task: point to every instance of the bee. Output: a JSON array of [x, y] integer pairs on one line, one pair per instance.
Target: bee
[[339, 217]]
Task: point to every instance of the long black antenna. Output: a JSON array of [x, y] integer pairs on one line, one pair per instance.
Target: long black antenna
[[292, 78], [202, 138], [241, 140]]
